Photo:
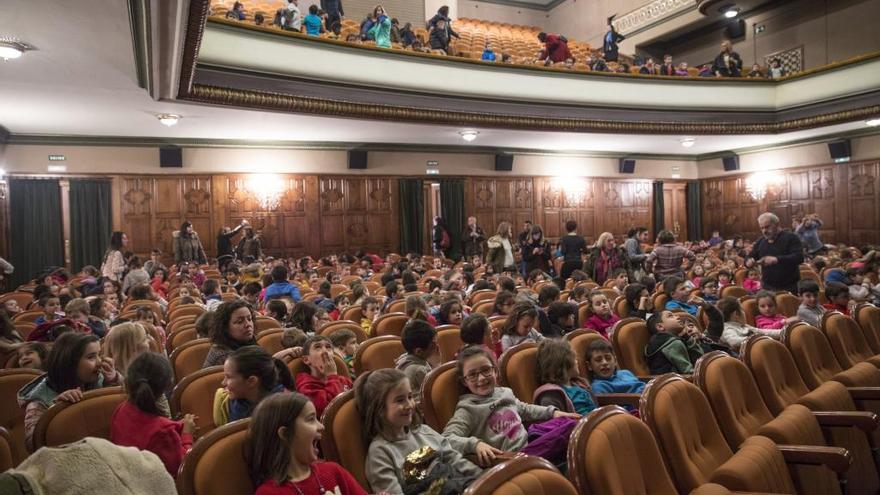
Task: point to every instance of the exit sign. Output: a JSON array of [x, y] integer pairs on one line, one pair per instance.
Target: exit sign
[[56, 158]]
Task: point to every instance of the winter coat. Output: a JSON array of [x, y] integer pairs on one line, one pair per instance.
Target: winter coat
[[187, 248]]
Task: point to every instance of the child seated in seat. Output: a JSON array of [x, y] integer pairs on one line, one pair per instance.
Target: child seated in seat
[[420, 341], [32, 355], [520, 326], [250, 374], [810, 310], [451, 312], [736, 331], [51, 307], [11, 307], [475, 330], [394, 432], [345, 345], [322, 383], [601, 318], [280, 448], [709, 289], [769, 317], [561, 316], [621, 280], [837, 294], [560, 385], [370, 311], [605, 376], [724, 278], [488, 419], [639, 301], [276, 309], [752, 282], [670, 350], [680, 296]]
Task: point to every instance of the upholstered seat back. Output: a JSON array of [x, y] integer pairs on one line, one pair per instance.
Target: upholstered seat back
[[629, 339], [11, 415], [377, 353], [621, 306], [342, 440], [758, 466], [355, 328], [189, 357], [448, 342], [271, 340], [812, 354], [216, 465], [775, 372], [787, 303], [635, 467], [847, 339], [685, 427], [183, 334], [868, 318], [65, 422], [7, 461], [518, 370], [580, 341], [186, 310], [750, 308], [733, 395], [522, 475], [440, 392], [195, 395], [389, 324]]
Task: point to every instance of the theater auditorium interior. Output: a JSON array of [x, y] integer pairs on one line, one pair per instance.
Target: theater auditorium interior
[[495, 247]]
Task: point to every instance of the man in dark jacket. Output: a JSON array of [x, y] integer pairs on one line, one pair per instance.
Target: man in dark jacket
[[334, 11], [609, 43], [439, 39], [555, 48], [779, 253], [728, 63]]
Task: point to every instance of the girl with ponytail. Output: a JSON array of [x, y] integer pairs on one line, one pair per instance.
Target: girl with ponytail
[[250, 374], [138, 422]]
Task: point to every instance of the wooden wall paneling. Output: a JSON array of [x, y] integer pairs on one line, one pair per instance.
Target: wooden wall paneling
[[196, 207], [482, 192], [864, 203], [628, 203], [136, 214]]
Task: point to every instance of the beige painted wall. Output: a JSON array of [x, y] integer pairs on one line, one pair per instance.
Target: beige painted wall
[[847, 30], [585, 20], [502, 13], [136, 160]]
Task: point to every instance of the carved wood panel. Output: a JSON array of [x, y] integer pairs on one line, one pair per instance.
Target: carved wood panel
[[864, 203]]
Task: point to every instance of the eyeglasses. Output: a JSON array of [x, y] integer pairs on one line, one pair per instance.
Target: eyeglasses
[[485, 372]]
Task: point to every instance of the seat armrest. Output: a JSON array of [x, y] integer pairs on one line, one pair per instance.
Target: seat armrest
[[864, 393], [834, 458], [863, 420], [499, 458], [647, 378], [631, 400]]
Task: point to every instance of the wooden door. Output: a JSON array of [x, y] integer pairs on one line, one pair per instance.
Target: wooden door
[[675, 209]]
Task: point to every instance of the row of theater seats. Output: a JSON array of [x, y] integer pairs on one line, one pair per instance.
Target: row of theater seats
[[737, 424]]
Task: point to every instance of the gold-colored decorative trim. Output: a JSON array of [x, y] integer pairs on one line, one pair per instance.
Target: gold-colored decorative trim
[[650, 14], [319, 106]]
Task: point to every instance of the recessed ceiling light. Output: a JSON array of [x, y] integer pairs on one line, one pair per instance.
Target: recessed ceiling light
[[873, 123], [688, 142], [168, 119], [468, 135], [11, 49], [730, 14]]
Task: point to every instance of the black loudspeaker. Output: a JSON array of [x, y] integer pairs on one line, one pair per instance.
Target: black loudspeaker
[[627, 166], [170, 156], [736, 29], [731, 162], [357, 159], [503, 163], [840, 150]]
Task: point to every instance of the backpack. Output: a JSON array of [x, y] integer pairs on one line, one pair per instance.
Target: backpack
[[444, 239]]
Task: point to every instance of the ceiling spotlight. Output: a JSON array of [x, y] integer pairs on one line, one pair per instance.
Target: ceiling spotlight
[[731, 12], [468, 135], [873, 123], [11, 48], [168, 119], [688, 142]]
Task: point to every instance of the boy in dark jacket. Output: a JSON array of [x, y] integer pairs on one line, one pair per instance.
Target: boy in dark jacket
[[669, 350]]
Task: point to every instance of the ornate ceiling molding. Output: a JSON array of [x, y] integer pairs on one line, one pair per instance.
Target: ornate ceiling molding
[[650, 14]]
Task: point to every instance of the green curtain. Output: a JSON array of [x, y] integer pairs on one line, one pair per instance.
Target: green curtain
[[37, 238], [412, 215], [694, 210], [659, 209], [90, 222], [452, 211]]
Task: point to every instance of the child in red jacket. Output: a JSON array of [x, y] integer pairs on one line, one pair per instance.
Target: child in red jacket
[[323, 382], [137, 422]]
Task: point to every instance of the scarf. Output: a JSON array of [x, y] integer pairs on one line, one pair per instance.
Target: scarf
[[606, 264]]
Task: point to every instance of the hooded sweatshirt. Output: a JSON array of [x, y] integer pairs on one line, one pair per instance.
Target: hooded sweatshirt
[[735, 333], [668, 353], [414, 367], [92, 465], [385, 458], [496, 419]]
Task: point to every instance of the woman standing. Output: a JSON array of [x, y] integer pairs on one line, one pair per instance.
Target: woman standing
[[572, 247], [381, 30], [113, 266], [536, 252], [500, 255], [187, 246], [604, 258]]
